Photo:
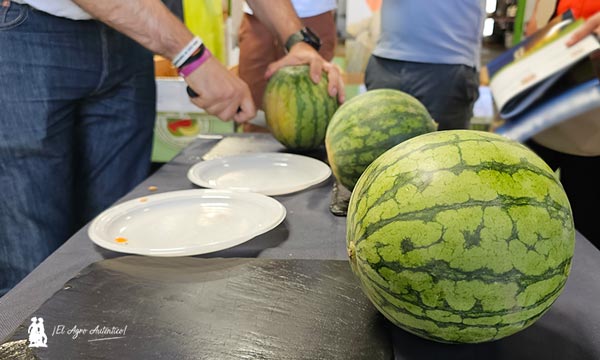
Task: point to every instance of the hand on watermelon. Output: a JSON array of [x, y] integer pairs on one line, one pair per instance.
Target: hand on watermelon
[[303, 53]]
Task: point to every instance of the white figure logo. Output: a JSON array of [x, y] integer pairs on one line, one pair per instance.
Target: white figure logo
[[37, 334]]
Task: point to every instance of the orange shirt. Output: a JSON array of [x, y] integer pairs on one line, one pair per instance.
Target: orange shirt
[[580, 8]]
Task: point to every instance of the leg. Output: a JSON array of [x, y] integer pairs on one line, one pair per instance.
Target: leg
[[584, 194], [114, 130], [38, 97], [324, 26], [258, 48], [447, 91]]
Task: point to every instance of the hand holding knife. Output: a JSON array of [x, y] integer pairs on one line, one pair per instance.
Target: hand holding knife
[[191, 93]]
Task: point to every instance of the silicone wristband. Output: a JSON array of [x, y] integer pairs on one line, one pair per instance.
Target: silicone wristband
[[187, 51], [189, 68], [196, 54]]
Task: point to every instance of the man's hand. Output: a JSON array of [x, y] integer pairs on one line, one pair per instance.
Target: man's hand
[[221, 93], [592, 25], [302, 53]]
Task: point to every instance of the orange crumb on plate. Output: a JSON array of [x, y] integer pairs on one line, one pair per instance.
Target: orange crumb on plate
[[143, 199], [121, 240], [152, 188]]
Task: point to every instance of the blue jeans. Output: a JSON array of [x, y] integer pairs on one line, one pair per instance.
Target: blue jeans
[[77, 110], [447, 91]]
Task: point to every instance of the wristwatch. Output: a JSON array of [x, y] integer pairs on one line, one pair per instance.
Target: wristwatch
[[306, 35]]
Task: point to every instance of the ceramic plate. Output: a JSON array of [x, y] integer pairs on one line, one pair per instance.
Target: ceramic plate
[[188, 222], [265, 173]]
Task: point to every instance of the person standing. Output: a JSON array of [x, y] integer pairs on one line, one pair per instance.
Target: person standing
[[431, 50]]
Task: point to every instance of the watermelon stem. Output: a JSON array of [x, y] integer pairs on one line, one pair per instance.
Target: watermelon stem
[[352, 251]]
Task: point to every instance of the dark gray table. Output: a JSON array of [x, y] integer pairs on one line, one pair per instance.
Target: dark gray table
[[309, 231], [570, 330]]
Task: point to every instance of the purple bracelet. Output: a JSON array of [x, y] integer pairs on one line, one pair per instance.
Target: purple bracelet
[[189, 68]]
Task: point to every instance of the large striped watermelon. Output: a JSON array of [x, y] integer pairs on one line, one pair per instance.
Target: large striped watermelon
[[296, 109], [460, 236], [369, 124]]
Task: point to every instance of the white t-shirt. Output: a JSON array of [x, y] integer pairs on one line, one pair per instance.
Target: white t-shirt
[[63, 8], [306, 8]]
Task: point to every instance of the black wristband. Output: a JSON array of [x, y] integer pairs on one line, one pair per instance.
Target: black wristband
[[304, 35], [196, 55]]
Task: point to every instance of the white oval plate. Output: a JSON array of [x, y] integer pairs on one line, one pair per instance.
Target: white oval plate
[[265, 173], [187, 222]]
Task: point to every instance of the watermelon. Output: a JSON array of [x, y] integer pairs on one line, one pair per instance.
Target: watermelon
[[369, 124], [296, 109], [460, 236]]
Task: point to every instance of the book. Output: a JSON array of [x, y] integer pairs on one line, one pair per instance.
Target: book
[[541, 81], [569, 104]]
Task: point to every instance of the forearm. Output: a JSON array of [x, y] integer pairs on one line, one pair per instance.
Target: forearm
[[149, 22], [279, 16]]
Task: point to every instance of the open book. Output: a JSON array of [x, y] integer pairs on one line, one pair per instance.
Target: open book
[[540, 81]]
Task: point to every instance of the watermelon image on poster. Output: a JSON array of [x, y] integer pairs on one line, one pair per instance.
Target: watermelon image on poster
[[183, 127], [297, 110], [368, 125], [460, 236]]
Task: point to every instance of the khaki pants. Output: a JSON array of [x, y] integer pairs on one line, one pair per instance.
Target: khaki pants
[[259, 48]]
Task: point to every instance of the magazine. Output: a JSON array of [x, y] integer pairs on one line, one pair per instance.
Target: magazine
[[541, 82], [571, 103]]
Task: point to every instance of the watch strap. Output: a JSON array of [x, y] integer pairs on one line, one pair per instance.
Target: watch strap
[[306, 35]]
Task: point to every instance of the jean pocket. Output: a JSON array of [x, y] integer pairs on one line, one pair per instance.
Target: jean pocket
[[11, 14]]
